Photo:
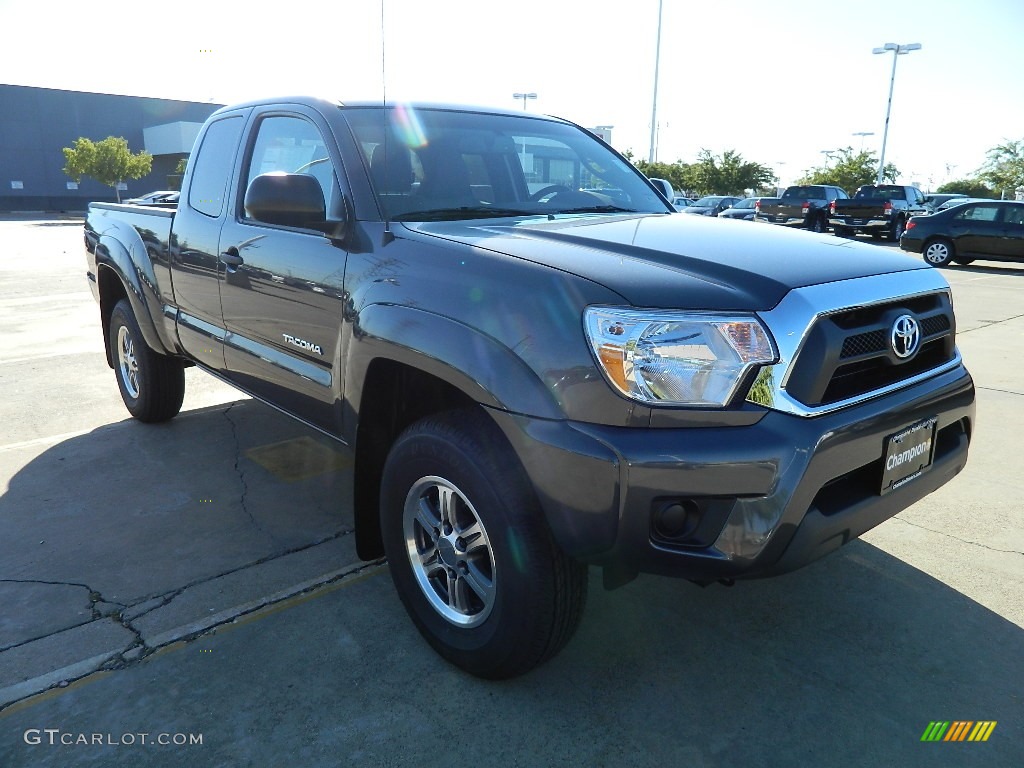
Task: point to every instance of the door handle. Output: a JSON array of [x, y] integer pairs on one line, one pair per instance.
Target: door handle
[[231, 258]]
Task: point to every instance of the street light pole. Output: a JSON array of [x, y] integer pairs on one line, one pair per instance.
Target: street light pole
[[524, 97], [654, 106], [897, 51], [862, 134]]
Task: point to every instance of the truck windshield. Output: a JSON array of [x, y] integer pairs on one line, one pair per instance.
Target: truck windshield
[[437, 164]]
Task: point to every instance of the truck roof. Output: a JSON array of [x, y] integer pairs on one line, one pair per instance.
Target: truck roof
[[325, 104]]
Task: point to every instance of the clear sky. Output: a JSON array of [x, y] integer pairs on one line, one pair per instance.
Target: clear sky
[[770, 79]]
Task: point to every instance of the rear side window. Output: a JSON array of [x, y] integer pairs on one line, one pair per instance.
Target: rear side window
[[213, 165], [978, 213], [1013, 214]]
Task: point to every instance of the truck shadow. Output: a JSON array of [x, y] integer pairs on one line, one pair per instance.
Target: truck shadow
[[854, 654], [843, 663], [136, 511]]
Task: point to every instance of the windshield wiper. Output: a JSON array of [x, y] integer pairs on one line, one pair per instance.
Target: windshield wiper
[[463, 212], [599, 209]]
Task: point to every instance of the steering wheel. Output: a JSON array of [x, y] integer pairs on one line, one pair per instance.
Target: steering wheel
[[551, 189]]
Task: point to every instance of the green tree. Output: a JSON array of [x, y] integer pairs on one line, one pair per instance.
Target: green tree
[[1004, 168], [850, 170], [675, 173], [726, 174], [969, 187], [109, 161]]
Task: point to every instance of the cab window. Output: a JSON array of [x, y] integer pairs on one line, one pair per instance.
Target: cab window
[[213, 165]]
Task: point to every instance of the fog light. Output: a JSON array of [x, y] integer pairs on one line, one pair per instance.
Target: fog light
[[677, 519]]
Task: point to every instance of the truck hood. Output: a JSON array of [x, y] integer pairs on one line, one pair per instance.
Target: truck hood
[[677, 261]]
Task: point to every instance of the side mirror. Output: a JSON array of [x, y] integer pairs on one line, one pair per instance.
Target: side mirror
[[288, 199]]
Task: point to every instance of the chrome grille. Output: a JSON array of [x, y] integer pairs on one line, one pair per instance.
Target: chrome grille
[[848, 354]]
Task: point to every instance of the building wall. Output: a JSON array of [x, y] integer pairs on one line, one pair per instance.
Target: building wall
[[35, 123]]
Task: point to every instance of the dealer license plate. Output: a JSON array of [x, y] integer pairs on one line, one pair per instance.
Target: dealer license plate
[[908, 454]]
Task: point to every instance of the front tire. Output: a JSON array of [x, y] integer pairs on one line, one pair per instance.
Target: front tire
[[152, 385], [469, 551], [939, 252]]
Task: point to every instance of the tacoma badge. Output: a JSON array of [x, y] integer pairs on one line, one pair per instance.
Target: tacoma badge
[[302, 344]]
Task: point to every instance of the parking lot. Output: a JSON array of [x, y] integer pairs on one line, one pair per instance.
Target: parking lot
[[198, 579]]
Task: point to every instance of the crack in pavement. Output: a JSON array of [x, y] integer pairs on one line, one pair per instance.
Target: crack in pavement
[[138, 650], [957, 538], [99, 606], [121, 609], [241, 475], [988, 324], [1001, 391]]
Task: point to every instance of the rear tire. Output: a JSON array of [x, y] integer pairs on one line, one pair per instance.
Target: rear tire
[[469, 551], [898, 228], [939, 252], [842, 231], [152, 385], [818, 225]]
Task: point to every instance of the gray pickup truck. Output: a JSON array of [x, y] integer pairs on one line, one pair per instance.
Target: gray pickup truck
[[804, 206], [880, 211], [534, 376]]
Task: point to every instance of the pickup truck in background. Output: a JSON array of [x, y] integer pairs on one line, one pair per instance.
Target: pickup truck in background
[[878, 211], [533, 378], [801, 206]]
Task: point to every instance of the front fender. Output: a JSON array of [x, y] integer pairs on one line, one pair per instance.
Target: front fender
[[478, 365]]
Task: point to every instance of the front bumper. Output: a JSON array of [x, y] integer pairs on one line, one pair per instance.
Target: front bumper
[[759, 500]]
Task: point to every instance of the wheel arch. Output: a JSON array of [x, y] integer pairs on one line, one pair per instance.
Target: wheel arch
[[405, 364], [395, 396]]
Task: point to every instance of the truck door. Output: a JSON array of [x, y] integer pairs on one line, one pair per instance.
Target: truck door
[[195, 232], [283, 288]]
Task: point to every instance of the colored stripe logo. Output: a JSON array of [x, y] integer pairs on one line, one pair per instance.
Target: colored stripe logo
[[958, 730]]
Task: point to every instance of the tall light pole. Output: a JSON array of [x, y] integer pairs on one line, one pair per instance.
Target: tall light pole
[[897, 51], [654, 106], [862, 134], [524, 97]]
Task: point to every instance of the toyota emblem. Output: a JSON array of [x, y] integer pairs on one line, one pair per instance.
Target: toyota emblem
[[905, 337]]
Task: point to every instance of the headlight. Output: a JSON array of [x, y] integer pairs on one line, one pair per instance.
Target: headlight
[[676, 358]]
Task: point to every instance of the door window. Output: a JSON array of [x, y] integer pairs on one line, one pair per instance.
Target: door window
[[291, 145]]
